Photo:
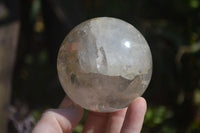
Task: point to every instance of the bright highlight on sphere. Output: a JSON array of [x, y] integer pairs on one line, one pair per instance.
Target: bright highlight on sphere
[[104, 64]]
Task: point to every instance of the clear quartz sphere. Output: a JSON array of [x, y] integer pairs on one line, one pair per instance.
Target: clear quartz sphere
[[104, 64]]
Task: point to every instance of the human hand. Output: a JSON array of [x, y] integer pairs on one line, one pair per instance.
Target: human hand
[[64, 119]]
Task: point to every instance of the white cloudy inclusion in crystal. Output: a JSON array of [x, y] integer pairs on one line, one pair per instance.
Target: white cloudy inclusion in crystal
[[104, 63]]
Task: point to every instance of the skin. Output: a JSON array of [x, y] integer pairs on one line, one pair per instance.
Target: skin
[[66, 117]]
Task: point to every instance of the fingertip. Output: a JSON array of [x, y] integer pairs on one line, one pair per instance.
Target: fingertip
[[139, 103], [135, 116], [66, 102]]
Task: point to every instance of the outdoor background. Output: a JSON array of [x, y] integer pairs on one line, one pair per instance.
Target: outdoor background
[[171, 27]]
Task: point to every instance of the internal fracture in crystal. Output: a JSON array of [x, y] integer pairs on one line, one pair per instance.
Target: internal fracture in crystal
[[104, 64]]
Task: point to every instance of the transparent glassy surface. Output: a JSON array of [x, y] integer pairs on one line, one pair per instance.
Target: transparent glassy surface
[[104, 64]]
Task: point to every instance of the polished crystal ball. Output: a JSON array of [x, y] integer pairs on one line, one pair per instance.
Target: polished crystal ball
[[104, 64]]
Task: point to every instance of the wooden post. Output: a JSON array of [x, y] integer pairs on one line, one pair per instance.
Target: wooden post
[[8, 43]]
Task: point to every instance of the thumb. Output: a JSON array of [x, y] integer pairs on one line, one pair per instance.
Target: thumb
[[61, 120]]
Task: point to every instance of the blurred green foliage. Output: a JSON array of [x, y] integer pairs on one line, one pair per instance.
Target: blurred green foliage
[[156, 116], [78, 129], [36, 115], [172, 29]]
